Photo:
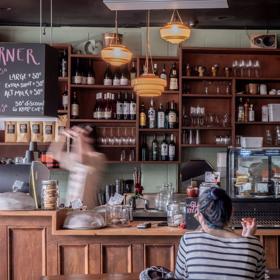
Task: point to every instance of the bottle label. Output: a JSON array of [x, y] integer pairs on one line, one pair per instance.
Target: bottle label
[[107, 115], [124, 82], [173, 84], [172, 117], [126, 108], [90, 80], [132, 108], [132, 76], [161, 120], [116, 82], [119, 108], [171, 152], [65, 101], [99, 115], [164, 149], [152, 118], [95, 115], [143, 119], [64, 68], [75, 110], [77, 79], [107, 82], [163, 76], [251, 116]]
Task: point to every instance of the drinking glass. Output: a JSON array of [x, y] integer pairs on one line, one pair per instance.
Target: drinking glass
[[131, 156], [104, 137], [125, 139], [235, 67], [257, 67], [242, 65], [111, 138], [249, 66], [123, 156]]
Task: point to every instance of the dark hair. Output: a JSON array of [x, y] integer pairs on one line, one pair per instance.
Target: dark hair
[[215, 206]]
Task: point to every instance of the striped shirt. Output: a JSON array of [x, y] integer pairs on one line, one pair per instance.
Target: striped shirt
[[204, 256]]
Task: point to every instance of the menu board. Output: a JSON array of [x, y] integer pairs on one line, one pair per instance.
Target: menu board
[[28, 80]]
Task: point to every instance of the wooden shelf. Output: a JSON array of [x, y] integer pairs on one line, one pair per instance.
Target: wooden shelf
[[206, 95], [207, 128], [257, 123], [171, 92], [204, 145], [101, 121], [63, 79], [258, 96], [258, 79], [62, 111], [206, 78], [167, 130], [116, 146], [23, 144], [120, 162], [101, 87], [89, 56], [159, 162]]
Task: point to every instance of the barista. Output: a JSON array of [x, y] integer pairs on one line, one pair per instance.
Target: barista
[[84, 164]]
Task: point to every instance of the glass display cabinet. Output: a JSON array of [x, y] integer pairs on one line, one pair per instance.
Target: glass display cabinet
[[253, 180]]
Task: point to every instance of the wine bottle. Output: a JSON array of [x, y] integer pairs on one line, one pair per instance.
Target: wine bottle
[[171, 149], [119, 107], [155, 148], [144, 150], [90, 74], [240, 113], [108, 107], [172, 116], [133, 72], [126, 105], [143, 116], [160, 117], [114, 106], [108, 81], [75, 106], [163, 74], [98, 110], [65, 98], [251, 113], [152, 115], [117, 78], [155, 69], [132, 107], [64, 64], [173, 84], [124, 77], [77, 76], [164, 149]]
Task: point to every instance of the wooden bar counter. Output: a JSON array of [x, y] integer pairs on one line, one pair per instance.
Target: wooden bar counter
[[33, 244]]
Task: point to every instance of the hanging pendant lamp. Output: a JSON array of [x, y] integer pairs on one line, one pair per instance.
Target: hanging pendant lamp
[[148, 84], [116, 54], [175, 32]]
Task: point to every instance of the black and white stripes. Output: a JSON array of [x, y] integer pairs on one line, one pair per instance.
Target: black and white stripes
[[203, 256]]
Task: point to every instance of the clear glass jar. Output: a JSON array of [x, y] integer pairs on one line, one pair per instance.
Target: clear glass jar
[[117, 215], [49, 195], [175, 216]]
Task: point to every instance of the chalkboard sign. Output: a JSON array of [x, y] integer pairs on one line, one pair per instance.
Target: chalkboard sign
[[28, 80]]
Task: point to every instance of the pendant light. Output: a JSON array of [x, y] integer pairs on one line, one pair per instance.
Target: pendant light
[[148, 84], [175, 31], [116, 54]]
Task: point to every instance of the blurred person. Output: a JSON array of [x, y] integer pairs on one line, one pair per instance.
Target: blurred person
[[216, 252], [84, 164]]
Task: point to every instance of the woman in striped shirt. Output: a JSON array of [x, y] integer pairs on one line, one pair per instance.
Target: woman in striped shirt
[[215, 252]]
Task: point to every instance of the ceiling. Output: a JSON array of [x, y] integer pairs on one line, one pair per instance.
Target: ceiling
[[242, 14]]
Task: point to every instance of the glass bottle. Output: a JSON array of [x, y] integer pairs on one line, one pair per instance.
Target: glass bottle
[[164, 149], [126, 107], [160, 117], [240, 113], [268, 137], [171, 149], [119, 107], [246, 111], [163, 74], [173, 84], [75, 106], [117, 78], [77, 76], [124, 77], [133, 71], [251, 113], [144, 149], [132, 108], [90, 74], [155, 149], [152, 115], [172, 116], [108, 107], [64, 64], [155, 69], [65, 98], [143, 116], [108, 81]]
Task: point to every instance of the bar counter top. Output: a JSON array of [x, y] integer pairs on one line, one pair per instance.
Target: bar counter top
[[58, 216]]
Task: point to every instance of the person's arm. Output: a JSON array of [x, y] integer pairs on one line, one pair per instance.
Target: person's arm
[[181, 270]]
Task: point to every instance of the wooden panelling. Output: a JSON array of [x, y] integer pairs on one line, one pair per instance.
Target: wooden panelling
[[271, 251], [26, 253], [116, 258], [137, 257], [73, 259], [3, 252], [94, 259], [160, 255]]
